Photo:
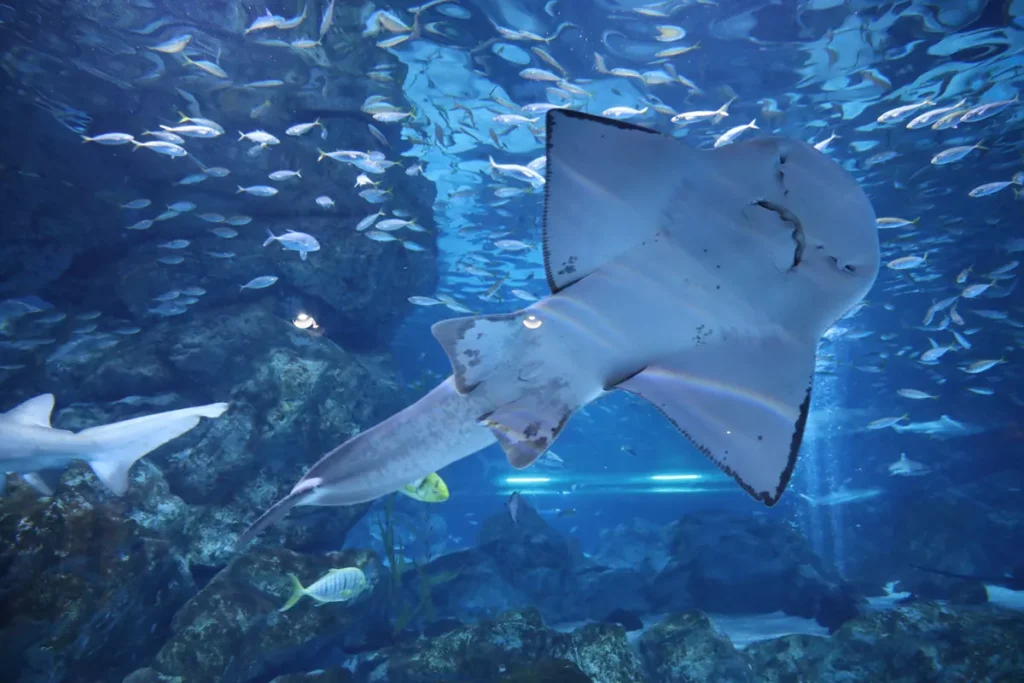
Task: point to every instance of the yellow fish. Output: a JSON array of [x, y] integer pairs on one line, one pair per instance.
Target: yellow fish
[[429, 489]]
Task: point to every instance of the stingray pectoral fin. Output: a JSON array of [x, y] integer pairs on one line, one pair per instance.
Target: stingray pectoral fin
[[742, 402], [527, 427], [479, 346], [607, 186]]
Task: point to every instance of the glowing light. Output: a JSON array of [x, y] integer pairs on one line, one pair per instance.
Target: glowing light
[[304, 321], [676, 477], [532, 322], [527, 480]]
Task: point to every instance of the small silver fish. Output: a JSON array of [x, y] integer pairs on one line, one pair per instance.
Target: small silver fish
[[512, 505], [261, 282], [258, 190], [110, 139], [174, 45]]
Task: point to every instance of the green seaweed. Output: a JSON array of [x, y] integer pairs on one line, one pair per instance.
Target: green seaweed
[[405, 612], [392, 551]]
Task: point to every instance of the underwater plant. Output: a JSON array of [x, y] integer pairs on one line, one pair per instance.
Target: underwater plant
[[405, 611]]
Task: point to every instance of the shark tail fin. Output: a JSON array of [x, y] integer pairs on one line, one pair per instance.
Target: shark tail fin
[[297, 592], [114, 448]]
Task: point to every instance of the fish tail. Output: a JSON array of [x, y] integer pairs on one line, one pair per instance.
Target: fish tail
[[112, 449], [276, 513], [241, 136], [86, 138], [297, 592], [271, 237]]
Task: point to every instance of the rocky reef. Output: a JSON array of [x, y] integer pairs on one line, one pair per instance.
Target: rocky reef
[[83, 569], [89, 587], [513, 647], [232, 629], [922, 642], [715, 562], [91, 581]]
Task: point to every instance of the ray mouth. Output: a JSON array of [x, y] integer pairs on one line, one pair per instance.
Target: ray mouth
[[787, 216]]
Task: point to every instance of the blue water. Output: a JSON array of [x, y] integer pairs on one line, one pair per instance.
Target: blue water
[[118, 547]]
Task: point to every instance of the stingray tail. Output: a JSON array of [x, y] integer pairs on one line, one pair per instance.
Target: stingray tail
[[273, 515]]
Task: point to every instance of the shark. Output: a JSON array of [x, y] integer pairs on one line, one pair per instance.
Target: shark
[[842, 496], [698, 280], [905, 467], [943, 428], [31, 447]]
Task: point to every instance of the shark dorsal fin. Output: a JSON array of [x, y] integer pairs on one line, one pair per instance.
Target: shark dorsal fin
[[35, 411]]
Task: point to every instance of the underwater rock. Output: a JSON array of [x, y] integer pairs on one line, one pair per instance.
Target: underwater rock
[[918, 642], [742, 564], [293, 397], [625, 618], [513, 642], [529, 563], [685, 648], [232, 629], [89, 583], [554, 671], [599, 590], [76, 251], [478, 590], [603, 652], [439, 627], [333, 675], [638, 545], [343, 280], [147, 675]]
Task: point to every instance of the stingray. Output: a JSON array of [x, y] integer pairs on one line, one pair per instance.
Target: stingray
[[699, 280]]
